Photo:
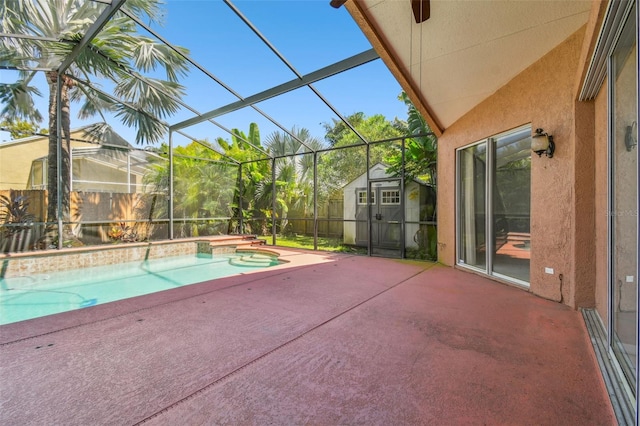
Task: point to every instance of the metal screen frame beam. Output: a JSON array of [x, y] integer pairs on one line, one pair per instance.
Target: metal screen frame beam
[[153, 117], [91, 33], [290, 66], [199, 67], [328, 71]]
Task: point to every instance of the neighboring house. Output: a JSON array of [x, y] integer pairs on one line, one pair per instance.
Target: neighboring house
[[386, 209], [486, 75], [111, 165]]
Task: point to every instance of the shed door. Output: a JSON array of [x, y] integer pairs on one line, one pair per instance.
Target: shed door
[[386, 217]]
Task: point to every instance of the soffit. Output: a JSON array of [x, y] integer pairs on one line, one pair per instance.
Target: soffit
[[467, 50]]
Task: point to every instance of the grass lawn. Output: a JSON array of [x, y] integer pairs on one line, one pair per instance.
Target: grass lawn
[[306, 242]]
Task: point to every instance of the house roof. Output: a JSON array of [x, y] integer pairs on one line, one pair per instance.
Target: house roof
[[379, 165], [97, 133], [466, 50]]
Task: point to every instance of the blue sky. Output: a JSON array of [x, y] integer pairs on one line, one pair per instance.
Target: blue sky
[[310, 34]]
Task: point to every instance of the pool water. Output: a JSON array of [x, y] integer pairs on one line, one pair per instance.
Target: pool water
[[34, 296]]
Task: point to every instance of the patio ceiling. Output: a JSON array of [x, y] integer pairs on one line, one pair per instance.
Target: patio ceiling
[[466, 50]]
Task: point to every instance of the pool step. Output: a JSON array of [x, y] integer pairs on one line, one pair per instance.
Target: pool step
[[229, 243], [250, 263], [253, 260]]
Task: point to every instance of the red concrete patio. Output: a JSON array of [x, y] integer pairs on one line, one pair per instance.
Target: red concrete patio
[[326, 339]]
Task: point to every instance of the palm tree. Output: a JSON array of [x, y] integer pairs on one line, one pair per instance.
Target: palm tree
[[247, 148], [294, 173], [203, 187], [116, 55]]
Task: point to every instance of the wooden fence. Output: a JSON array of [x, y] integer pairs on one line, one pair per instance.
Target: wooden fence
[[93, 215]]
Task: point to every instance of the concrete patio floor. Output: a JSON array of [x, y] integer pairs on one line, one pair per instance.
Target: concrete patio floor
[[325, 339]]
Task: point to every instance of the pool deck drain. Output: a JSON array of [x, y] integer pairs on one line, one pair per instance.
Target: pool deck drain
[[325, 339]]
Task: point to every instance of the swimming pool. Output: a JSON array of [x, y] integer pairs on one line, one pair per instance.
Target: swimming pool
[[37, 295]]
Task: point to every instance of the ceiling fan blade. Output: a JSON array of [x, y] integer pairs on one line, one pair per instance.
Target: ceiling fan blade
[[421, 10], [337, 3]]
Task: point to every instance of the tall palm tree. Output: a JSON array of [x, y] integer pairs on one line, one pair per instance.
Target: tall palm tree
[[115, 55], [294, 173]]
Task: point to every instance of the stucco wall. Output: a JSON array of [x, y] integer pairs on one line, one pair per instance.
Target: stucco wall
[[16, 159], [15, 162], [544, 96]]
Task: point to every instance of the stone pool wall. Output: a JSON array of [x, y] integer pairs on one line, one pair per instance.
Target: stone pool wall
[[21, 264]]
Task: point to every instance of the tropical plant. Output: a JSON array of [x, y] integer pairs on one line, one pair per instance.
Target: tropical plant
[[248, 149], [294, 172], [20, 128], [341, 166], [203, 187], [421, 152], [16, 221], [121, 232], [15, 215], [115, 54]]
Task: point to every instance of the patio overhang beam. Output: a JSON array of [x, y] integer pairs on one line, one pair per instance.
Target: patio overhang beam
[[91, 33], [290, 66]]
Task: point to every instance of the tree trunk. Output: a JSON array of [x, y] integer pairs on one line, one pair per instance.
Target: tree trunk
[[52, 174]]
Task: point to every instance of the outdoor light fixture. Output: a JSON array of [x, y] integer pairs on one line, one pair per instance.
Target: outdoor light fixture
[[631, 136], [542, 143]]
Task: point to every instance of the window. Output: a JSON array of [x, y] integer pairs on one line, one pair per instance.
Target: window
[[390, 197], [38, 174], [362, 197]]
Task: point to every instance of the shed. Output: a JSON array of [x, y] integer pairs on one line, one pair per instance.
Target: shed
[[386, 209]]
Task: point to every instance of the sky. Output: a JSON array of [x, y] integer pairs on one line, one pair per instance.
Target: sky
[[309, 34]]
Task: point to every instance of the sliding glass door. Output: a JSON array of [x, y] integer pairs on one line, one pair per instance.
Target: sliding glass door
[[623, 224], [494, 205], [472, 165]]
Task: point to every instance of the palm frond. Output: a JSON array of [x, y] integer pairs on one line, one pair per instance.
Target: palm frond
[[18, 101], [149, 54], [152, 9], [150, 129], [155, 96], [92, 102]]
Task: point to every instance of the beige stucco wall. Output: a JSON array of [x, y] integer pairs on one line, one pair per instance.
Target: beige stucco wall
[[544, 96], [16, 158], [15, 162]]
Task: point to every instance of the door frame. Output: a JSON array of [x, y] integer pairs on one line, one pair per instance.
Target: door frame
[[401, 222]]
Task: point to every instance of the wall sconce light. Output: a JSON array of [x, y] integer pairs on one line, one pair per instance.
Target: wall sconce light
[[542, 143], [631, 136]]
